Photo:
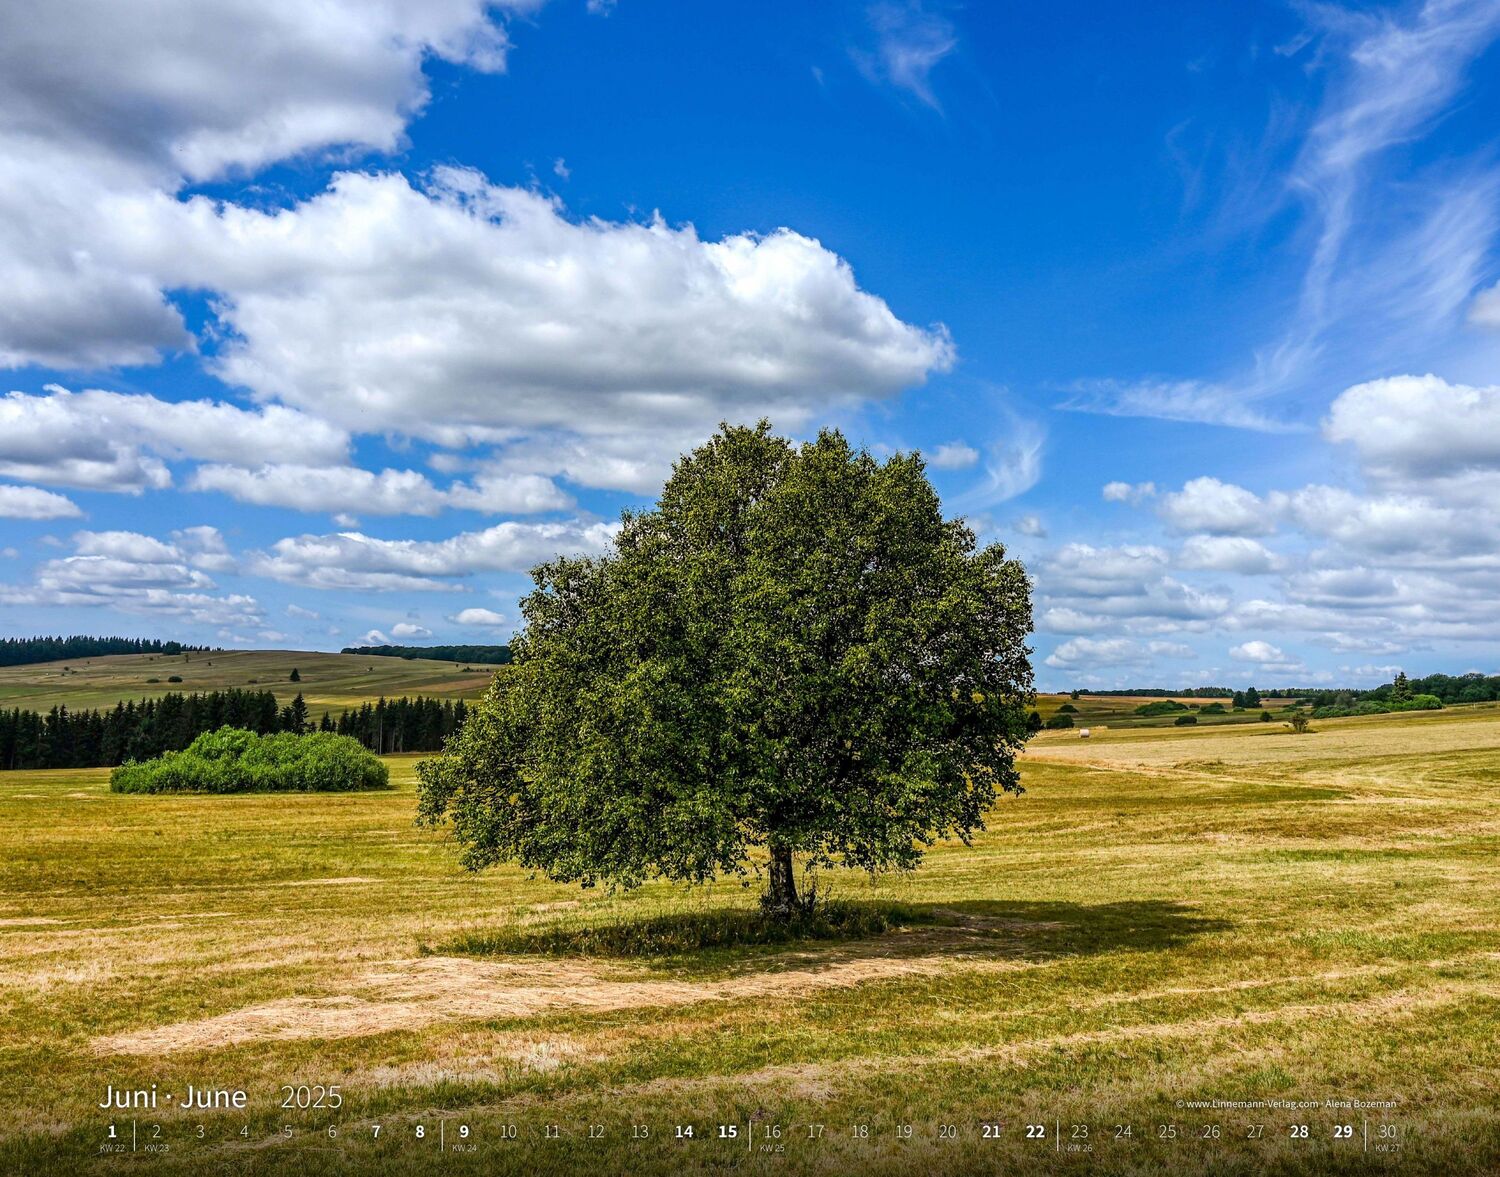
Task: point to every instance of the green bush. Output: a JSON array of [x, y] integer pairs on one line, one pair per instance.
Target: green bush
[[1185, 720], [1377, 707], [1160, 707], [1069, 708], [232, 760], [1060, 721], [1213, 709]]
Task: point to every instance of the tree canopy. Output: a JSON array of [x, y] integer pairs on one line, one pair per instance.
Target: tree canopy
[[792, 652]]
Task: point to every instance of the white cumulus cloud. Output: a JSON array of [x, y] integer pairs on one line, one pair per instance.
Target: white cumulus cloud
[[104, 107], [1257, 651], [482, 618], [113, 441], [340, 489], [1215, 508], [1408, 428], [1227, 553], [138, 574], [465, 307], [30, 502], [351, 560], [953, 455], [1126, 492], [1086, 653]]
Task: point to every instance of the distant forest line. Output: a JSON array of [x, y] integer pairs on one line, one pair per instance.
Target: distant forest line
[[22, 651], [143, 729], [479, 655], [1447, 688], [1163, 693]]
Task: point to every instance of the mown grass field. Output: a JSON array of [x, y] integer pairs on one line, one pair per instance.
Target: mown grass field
[[1231, 913], [329, 681]]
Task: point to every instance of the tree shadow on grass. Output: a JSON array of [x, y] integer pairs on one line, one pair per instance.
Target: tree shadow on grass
[[1041, 929], [740, 939]]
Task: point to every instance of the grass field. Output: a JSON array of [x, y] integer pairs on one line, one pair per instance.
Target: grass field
[[1166, 916], [329, 681], [336, 681], [1119, 711]]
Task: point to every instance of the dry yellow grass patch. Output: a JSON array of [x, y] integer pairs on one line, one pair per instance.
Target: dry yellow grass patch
[[412, 994]]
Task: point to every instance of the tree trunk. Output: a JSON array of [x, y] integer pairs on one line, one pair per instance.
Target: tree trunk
[[781, 900]]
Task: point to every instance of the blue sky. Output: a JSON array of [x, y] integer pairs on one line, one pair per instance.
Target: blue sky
[[323, 325]]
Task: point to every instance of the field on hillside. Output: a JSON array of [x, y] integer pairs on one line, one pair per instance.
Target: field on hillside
[[336, 681], [1117, 711], [1166, 916], [329, 681]]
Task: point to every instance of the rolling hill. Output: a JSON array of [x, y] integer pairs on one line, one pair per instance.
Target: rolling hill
[[328, 681]]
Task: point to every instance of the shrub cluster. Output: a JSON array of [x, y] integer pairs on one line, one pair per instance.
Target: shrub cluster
[[1163, 707], [1379, 707], [232, 760]]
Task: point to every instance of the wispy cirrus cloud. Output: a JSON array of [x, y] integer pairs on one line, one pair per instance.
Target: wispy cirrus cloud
[[1400, 78], [1199, 401], [910, 40], [1012, 465], [1394, 248]]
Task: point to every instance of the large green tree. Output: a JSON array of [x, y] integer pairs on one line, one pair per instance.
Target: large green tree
[[792, 654]]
